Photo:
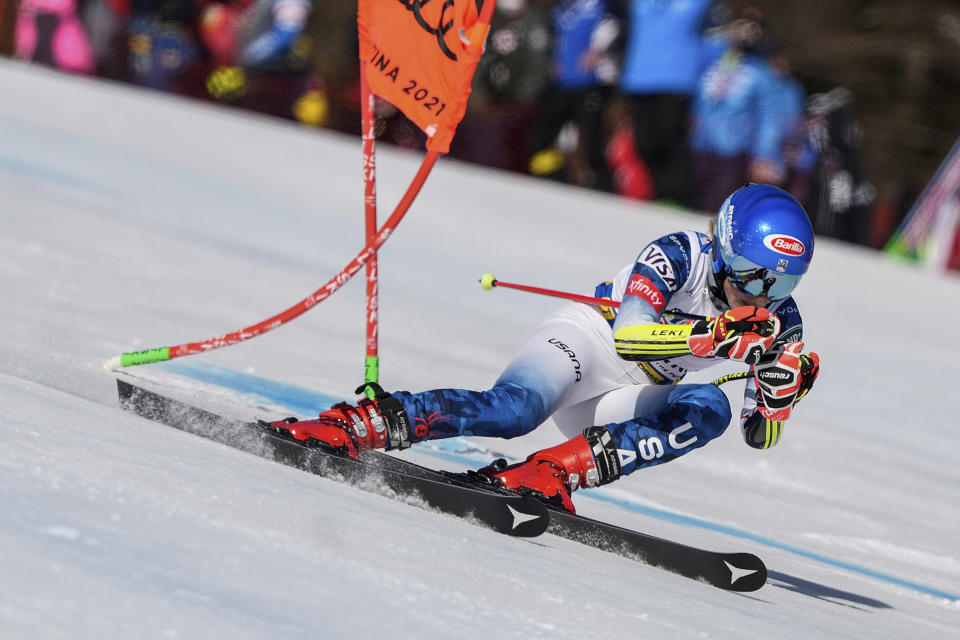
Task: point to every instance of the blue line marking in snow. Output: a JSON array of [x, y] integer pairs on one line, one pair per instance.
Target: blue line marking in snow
[[309, 402], [690, 521], [296, 399]]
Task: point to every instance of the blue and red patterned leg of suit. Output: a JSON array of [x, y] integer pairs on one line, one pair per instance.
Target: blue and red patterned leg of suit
[[691, 416], [507, 410]]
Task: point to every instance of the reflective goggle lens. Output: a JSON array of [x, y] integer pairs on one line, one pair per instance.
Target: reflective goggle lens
[[754, 280]]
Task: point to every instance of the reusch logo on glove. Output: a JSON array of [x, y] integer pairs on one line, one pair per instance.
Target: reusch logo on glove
[[642, 287], [780, 375], [787, 245]]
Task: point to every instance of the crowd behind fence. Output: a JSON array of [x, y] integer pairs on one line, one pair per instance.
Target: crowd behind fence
[[677, 102]]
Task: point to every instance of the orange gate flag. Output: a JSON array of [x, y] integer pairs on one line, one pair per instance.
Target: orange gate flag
[[418, 56]]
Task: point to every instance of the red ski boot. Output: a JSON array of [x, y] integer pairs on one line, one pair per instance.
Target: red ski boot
[[347, 429], [553, 474]]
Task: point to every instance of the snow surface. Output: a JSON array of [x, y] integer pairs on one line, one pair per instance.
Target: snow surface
[[131, 219]]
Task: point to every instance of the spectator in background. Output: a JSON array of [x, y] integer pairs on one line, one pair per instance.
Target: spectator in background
[[217, 27], [584, 34], [508, 85], [839, 195], [49, 32], [630, 176], [789, 99], [272, 30], [260, 58], [105, 22], [513, 68], [161, 42], [9, 9], [665, 54], [736, 136]]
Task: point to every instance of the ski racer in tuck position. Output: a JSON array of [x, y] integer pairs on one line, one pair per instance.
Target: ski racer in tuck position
[[619, 371]]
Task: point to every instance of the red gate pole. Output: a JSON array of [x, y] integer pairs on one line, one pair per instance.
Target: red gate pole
[[368, 133]]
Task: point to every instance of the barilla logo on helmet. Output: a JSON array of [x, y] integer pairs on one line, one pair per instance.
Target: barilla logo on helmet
[[787, 245]]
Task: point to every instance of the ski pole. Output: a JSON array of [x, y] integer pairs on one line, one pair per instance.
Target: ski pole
[[732, 376], [489, 281]]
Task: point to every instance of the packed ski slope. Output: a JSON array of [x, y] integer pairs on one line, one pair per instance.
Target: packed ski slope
[[130, 219]]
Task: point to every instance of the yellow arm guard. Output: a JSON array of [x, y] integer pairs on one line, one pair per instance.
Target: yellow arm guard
[[652, 341]]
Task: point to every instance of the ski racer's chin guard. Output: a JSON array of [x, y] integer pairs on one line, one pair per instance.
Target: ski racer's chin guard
[[762, 241]]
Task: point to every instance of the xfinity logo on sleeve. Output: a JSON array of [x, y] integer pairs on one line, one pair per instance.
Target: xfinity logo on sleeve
[[787, 245], [643, 288]]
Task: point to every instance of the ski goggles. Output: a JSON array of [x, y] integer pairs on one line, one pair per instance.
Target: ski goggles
[[753, 280]]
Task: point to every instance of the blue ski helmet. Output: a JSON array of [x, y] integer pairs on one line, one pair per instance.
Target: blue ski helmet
[[762, 242]]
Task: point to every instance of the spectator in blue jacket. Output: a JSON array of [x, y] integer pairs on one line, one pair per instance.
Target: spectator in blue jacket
[[736, 134], [789, 105], [583, 72], [665, 54]]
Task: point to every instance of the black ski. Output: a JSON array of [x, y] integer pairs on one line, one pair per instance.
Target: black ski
[[511, 514], [730, 571]]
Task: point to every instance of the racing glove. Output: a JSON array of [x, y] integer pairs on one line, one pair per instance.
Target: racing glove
[[742, 334], [784, 376]]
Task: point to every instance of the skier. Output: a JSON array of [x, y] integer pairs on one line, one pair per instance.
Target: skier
[[586, 365]]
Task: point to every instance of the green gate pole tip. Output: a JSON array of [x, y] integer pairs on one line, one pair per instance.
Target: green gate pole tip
[[371, 372], [137, 357]]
